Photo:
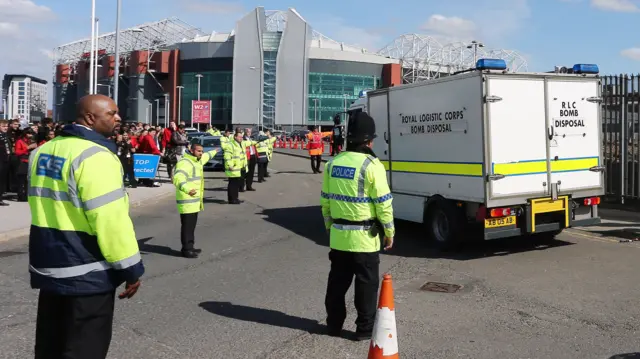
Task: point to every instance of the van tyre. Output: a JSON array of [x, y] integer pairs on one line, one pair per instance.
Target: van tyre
[[445, 225]]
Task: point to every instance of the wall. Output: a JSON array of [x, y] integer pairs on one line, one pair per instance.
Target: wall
[[247, 54], [292, 69]]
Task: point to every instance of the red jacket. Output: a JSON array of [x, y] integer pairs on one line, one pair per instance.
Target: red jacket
[[147, 145], [166, 138], [22, 150]]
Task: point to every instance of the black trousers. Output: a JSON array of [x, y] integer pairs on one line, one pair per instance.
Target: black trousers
[[188, 224], [233, 188], [266, 169], [21, 176], [4, 177], [344, 266], [315, 163], [74, 327], [127, 167], [170, 167], [243, 179], [262, 170], [251, 171], [336, 148]]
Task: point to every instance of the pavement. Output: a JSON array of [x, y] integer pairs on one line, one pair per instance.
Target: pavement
[[257, 290], [16, 218]]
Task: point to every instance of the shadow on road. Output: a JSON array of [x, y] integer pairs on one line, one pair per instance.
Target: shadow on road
[[262, 316], [216, 189], [214, 200], [152, 248], [410, 240], [626, 356], [296, 172]]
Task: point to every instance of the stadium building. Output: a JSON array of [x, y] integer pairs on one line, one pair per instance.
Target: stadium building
[[272, 69]]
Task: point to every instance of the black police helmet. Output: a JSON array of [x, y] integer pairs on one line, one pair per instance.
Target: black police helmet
[[361, 128]]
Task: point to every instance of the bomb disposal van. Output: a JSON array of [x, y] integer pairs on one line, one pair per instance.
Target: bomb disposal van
[[511, 153]]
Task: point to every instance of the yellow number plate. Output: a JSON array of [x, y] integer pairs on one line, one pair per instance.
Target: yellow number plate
[[499, 222]]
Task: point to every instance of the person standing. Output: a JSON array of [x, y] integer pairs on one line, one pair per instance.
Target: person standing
[[82, 244], [177, 146], [125, 151], [5, 157], [271, 141], [356, 206], [188, 178], [235, 162], [316, 147], [252, 159], [24, 145], [262, 148]]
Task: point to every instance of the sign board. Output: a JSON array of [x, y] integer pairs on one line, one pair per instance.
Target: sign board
[[145, 166], [200, 111]]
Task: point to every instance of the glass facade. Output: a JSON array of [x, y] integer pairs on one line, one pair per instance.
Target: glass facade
[[216, 86], [270, 45], [332, 93]]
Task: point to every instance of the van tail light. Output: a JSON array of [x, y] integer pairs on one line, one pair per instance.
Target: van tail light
[[500, 212], [592, 201]]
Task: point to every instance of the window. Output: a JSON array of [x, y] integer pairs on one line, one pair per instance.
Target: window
[[216, 86], [333, 93]]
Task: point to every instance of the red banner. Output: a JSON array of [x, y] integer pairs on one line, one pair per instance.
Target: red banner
[[200, 111]]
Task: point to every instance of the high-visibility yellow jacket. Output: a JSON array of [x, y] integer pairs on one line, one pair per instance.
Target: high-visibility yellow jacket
[[188, 175], [82, 240], [213, 132], [235, 158], [262, 148], [271, 142], [354, 195]]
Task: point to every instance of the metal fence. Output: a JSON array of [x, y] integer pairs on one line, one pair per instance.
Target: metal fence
[[621, 136]]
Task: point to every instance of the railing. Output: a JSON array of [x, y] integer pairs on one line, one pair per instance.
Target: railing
[[621, 136]]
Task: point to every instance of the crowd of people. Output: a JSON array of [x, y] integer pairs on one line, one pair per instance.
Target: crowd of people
[[16, 144]]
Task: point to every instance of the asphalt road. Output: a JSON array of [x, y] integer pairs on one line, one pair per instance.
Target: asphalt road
[[257, 291]]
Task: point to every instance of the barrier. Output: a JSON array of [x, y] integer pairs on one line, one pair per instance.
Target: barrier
[[145, 166]]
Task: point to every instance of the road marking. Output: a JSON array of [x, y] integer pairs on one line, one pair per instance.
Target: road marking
[[584, 234]]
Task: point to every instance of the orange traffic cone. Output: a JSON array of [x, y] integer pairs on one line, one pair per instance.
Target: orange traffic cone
[[384, 341]]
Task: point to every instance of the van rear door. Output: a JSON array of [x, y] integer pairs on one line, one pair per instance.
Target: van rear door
[[574, 135]]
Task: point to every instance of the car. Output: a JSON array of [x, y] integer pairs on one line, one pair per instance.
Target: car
[[191, 136], [209, 142]]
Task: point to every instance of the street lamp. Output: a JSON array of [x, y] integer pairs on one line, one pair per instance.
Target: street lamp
[[91, 55], [179, 103], [474, 45], [166, 110], [255, 68], [97, 64], [291, 103], [116, 71], [199, 76], [157, 111]]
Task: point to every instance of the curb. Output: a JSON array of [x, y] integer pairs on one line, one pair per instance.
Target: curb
[[297, 155], [22, 232]]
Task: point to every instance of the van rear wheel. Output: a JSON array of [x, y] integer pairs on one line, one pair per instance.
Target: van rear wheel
[[444, 225]]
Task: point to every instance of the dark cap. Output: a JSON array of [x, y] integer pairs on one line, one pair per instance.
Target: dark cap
[[361, 129]]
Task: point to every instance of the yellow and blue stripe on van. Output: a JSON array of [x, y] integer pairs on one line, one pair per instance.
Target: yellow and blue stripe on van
[[523, 168], [475, 169], [465, 169]]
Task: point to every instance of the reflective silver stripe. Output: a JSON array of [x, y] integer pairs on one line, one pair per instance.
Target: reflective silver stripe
[[193, 167], [351, 227], [190, 200], [363, 175], [69, 272], [182, 184], [181, 171], [193, 179], [72, 185], [32, 158], [388, 225], [104, 199], [127, 262], [54, 195]]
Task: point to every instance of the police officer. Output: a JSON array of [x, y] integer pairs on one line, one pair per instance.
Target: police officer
[[82, 244], [188, 178], [356, 205], [235, 164]]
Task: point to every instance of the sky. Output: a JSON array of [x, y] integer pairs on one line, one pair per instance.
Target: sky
[[545, 32]]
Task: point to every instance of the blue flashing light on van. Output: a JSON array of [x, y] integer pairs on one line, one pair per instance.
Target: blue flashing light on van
[[590, 69], [491, 64]]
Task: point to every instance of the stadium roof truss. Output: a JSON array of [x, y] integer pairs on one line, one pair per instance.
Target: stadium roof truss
[[423, 57], [152, 36]]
